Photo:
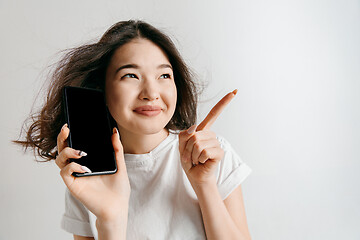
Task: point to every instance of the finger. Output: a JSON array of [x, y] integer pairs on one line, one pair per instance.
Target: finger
[[184, 137], [188, 150], [208, 155], [119, 152], [186, 164], [62, 136], [67, 171], [63, 158], [200, 146], [189, 140], [196, 138], [216, 110]]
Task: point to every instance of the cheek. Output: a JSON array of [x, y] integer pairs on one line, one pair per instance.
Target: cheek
[[111, 97], [171, 96], [115, 98], [121, 97], [175, 96]]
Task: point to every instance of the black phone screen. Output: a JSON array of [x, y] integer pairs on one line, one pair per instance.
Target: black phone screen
[[90, 125]]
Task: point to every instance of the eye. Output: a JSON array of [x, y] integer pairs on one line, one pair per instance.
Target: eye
[[165, 76], [129, 75]]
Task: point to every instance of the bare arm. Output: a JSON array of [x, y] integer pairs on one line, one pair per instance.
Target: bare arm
[[234, 203], [200, 153], [222, 219], [109, 230], [107, 196]]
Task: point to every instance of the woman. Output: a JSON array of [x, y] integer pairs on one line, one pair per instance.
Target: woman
[[175, 180]]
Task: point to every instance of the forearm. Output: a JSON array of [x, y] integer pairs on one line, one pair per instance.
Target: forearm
[[217, 220], [112, 230]]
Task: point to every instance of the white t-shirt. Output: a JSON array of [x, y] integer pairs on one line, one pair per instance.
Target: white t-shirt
[[162, 204]]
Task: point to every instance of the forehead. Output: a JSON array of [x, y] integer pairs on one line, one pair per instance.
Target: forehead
[[141, 52]]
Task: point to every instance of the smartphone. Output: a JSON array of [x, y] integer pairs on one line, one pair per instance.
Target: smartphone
[[90, 125]]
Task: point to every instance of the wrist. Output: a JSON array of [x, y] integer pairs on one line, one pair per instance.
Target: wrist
[[200, 187], [110, 224], [112, 210], [112, 228], [113, 215]]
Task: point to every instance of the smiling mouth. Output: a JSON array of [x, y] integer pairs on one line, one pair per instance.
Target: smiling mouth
[[148, 110]]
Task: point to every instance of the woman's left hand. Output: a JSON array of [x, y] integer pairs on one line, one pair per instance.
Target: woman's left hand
[[200, 151]]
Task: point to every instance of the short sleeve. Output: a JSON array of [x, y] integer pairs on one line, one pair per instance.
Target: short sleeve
[[232, 171], [76, 218]]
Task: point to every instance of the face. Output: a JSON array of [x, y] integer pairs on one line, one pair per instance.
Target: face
[[140, 88]]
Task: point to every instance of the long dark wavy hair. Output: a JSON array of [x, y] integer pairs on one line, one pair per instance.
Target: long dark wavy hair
[[85, 66]]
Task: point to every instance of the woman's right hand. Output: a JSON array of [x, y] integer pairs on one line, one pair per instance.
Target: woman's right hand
[[106, 196]]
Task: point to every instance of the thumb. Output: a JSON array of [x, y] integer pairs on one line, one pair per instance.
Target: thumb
[[183, 139], [186, 164], [119, 151]]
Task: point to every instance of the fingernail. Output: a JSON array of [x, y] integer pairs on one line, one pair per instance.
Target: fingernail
[[192, 129], [82, 153], [235, 91], [64, 126], [85, 169], [115, 130]]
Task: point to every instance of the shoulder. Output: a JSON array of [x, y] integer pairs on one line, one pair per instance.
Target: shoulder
[[224, 144], [232, 170], [231, 157]]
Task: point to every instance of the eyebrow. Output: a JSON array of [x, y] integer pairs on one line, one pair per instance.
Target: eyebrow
[[165, 66], [137, 67]]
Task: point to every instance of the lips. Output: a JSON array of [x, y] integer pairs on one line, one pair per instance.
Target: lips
[[148, 110]]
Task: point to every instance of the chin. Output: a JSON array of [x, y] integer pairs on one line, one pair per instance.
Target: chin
[[147, 128], [151, 130]]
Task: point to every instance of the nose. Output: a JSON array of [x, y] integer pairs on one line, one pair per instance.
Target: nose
[[149, 91]]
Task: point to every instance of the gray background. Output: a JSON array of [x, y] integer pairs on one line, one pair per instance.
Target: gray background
[[295, 120]]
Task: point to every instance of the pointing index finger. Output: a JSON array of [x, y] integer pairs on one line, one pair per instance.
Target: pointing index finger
[[216, 110]]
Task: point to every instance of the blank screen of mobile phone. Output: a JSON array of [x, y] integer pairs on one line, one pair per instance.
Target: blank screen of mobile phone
[[90, 129]]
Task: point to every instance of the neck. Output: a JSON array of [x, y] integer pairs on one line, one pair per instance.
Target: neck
[[135, 143]]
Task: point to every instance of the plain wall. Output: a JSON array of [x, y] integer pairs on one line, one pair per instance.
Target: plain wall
[[295, 120]]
